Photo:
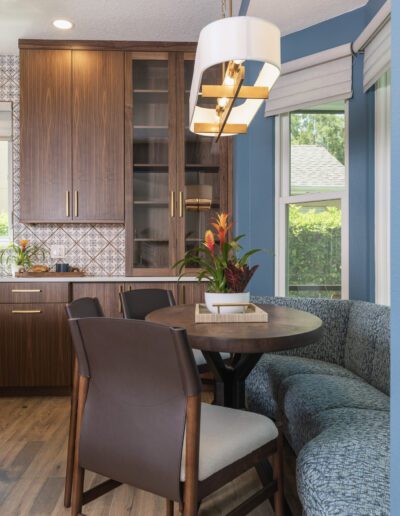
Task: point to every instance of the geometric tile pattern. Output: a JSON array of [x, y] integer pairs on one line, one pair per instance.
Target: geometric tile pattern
[[98, 249]]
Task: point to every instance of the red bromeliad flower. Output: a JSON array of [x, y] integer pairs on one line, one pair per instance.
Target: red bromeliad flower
[[209, 241], [23, 244], [222, 227]]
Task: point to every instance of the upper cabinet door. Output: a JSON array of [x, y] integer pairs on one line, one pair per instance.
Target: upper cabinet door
[[45, 135], [98, 136]]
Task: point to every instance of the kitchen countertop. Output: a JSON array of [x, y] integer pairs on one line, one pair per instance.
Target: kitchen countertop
[[99, 279]]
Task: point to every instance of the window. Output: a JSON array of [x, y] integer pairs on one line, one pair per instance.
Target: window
[[382, 190], [5, 171], [311, 203]]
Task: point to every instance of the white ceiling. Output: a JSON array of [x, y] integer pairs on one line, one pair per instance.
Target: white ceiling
[[140, 20], [157, 20], [293, 15]]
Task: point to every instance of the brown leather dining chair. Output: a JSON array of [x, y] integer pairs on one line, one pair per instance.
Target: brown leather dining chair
[[80, 308], [140, 420], [136, 304]]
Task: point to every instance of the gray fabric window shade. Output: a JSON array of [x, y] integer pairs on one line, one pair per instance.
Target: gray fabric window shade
[[312, 80], [375, 42]]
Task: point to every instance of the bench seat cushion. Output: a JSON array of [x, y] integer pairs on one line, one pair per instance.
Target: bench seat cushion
[[344, 470], [263, 384], [303, 396]]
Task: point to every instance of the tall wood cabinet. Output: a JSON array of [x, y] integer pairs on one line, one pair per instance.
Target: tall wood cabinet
[[175, 181], [46, 107], [72, 136]]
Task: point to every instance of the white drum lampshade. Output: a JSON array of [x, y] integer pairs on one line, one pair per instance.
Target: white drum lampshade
[[233, 40]]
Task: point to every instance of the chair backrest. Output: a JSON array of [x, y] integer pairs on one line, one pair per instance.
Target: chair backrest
[[84, 307], [136, 304], [140, 376]]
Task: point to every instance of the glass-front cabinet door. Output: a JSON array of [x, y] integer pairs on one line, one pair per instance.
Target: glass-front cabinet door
[[152, 131], [176, 181], [202, 165]]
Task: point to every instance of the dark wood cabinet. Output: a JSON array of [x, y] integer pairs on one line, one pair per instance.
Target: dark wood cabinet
[[98, 135], [35, 345], [46, 168], [176, 181], [107, 294], [72, 136]]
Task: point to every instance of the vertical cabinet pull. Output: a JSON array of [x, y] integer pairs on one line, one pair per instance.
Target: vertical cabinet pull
[[180, 204], [76, 203], [121, 289], [172, 204], [67, 204]]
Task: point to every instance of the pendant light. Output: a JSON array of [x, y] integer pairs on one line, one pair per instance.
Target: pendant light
[[231, 42]]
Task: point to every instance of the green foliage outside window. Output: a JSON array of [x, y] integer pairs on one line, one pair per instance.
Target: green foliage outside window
[[326, 130], [3, 224], [314, 246]]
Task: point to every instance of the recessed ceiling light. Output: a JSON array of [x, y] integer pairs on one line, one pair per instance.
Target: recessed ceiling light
[[63, 24]]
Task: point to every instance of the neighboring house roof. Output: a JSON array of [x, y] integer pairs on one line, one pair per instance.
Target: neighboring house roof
[[313, 167]]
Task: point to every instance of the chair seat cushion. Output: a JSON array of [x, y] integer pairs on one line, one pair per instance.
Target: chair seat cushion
[[200, 360], [263, 384], [227, 435], [344, 470]]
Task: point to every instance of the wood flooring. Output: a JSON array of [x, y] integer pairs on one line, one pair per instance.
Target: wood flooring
[[33, 443]]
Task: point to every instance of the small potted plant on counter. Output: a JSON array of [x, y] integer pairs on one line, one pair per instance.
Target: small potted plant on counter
[[218, 262], [20, 255]]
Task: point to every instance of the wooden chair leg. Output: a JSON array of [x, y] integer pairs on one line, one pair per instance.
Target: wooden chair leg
[[77, 491], [71, 437], [79, 473], [278, 476], [170, 508]]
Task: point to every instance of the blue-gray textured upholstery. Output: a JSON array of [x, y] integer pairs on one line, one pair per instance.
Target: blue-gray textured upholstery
[[332, 397]]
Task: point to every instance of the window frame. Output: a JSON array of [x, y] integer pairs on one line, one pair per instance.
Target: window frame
[[9, 238], [382, 189], [283, 199]]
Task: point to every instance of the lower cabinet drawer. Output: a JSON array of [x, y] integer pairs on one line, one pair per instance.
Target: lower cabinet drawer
[[21, 292], [35, 345]]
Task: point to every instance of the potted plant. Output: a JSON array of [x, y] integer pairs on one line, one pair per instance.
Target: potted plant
[[20, 255], [218, 261]]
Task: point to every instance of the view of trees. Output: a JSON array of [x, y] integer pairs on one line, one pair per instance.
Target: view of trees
[[314, 246], [3, 224], [324, 129]]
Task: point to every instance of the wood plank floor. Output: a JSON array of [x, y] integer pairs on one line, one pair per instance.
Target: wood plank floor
[[33, 437]]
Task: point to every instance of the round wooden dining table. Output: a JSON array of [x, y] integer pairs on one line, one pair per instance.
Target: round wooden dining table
[[286, 328]]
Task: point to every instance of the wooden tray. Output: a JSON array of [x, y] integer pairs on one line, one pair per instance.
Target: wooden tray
[[251, 313], [49, 274]]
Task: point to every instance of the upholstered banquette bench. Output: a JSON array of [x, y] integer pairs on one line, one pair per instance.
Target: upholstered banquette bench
[[333, 399]]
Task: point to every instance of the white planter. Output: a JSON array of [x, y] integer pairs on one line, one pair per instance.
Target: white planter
[[212, 298], [15, 268]]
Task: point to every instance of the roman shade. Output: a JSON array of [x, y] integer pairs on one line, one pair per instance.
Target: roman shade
[[312, 80], [5, 120], [375, 42]]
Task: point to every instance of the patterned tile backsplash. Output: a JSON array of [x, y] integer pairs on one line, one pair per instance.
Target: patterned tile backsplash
[[98, 249]]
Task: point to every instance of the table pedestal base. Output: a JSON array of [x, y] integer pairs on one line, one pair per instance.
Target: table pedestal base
[[230, 377]]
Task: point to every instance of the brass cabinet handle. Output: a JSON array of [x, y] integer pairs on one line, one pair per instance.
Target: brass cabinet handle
[[67, 203], [26, 290], [172, 204], [76, 203], [26, 311], [121, 289], [180, 204], [183, 294]]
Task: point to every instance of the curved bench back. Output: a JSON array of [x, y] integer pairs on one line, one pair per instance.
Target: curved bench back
[[367, 348], [356, 335]]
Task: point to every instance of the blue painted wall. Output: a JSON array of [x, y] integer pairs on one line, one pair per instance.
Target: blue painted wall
[[395, 260], [254, 161]]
